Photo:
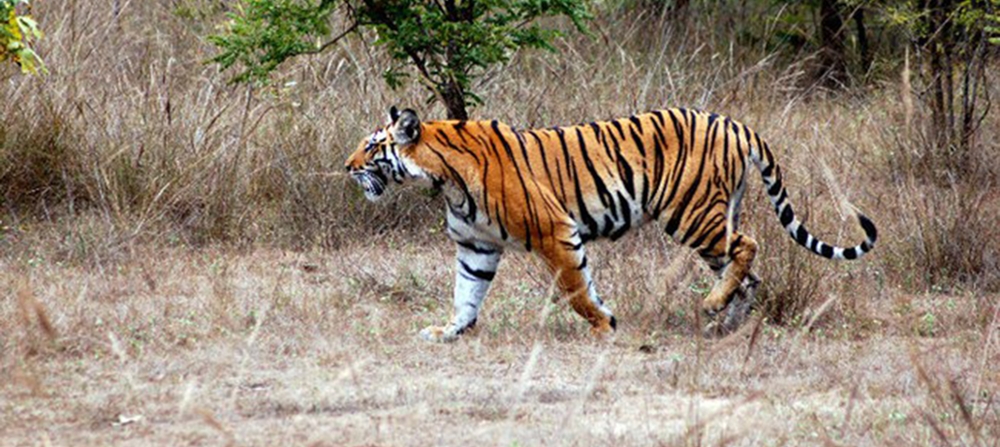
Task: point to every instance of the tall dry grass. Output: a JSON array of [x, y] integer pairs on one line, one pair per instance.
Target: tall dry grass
[[131, 139]]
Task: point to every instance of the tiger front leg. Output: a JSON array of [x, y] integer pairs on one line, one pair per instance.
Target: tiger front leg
[[475, 267]]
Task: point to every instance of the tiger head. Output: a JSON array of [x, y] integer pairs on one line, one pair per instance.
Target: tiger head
[[383, 154]]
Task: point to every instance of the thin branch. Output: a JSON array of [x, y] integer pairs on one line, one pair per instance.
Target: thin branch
[[321, 48], [470, 10], [419, 63]]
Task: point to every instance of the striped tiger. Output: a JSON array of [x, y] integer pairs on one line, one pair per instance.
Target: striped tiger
[[550, 191]]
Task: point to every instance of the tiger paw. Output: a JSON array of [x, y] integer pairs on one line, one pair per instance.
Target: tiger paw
[[713, 329], [728, 319], [603, 331], [439, 334], [737, 312], [713, 304]]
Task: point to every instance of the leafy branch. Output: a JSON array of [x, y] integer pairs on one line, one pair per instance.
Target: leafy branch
[[449, 43], [17, 33]]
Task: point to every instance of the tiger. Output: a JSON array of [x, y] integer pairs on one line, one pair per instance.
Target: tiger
[[550, 191]]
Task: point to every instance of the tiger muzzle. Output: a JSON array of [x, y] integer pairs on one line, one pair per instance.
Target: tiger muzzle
[[373, 182]]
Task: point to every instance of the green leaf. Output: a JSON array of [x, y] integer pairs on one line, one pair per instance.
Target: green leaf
[[29, 27], [30, 62]]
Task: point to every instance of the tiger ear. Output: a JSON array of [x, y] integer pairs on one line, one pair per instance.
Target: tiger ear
[[393, 115], [406, 127]]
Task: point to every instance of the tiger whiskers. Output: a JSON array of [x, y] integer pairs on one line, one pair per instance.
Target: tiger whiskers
[[327, 174]]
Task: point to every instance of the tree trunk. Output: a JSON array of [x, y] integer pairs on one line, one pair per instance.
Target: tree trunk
[[953, 68], [453, 97], [862, 35], [937, 73], [947, 45], [973, 76], [832, 60]]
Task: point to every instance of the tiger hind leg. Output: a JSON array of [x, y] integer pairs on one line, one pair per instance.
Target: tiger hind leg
[[734, 263], [738, 309]]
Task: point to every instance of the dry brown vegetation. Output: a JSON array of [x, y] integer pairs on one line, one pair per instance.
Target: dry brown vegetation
[[182, 262]]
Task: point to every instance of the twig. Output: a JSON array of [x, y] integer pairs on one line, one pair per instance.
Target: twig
[[327, 44]]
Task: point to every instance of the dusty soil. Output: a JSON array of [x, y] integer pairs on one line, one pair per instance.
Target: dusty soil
[[225, 348]]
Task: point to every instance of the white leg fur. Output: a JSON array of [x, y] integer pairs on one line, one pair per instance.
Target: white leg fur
[[592, 293], [475, 266]]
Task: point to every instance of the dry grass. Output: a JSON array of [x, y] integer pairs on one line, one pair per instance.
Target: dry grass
[[319, 348], [176, 249]]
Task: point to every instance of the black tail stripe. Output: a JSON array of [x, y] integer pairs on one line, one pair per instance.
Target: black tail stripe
[[826, 251], [802, 236], [869, 227], [775, 188], [787, 215]]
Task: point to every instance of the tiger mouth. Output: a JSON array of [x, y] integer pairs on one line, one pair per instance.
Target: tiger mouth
[[373, 183]]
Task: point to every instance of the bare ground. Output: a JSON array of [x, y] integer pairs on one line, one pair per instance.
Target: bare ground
[[261, 347]]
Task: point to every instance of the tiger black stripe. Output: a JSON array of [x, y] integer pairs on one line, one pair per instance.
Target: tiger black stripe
[[501, 214], [475, 248], [486, 192], [675, 176], [483, 275], [544, 155], [637, 123], [454, 176], [500, 223], [445, 140], [533, 207], [625, 172], [626, 215], [602, 140], [570, 169], [659, 117], [682, 205], [618, 126], [637, 141], [524, 152], [659, 145], [527, 235], [532, 214], [602, 190], [585, 215]]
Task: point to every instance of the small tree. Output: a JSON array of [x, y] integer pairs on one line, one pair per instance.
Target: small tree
[[16, 34], [952, 41], [447, 42]]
